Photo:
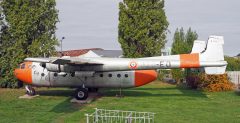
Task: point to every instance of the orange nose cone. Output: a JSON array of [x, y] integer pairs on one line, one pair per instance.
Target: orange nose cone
[[17, 73], [143, 77], [25, 75]]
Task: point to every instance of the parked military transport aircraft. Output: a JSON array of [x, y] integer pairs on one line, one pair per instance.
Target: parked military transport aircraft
[[88, 73]]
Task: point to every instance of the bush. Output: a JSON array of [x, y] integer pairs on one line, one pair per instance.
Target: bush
[[211, 83], [233, 63], [192, 81], [163, 74], [178, 75]]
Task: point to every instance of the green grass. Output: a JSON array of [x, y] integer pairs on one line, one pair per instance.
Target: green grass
[[171, 105]]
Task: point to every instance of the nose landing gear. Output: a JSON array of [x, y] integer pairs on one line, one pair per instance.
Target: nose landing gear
[[30, 90]]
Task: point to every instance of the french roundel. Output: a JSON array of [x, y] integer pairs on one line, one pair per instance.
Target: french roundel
[[133, 65]]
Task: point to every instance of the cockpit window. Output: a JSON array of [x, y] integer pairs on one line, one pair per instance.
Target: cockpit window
[[22, 66]]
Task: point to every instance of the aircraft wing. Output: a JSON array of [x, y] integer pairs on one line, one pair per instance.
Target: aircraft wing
[[63, 61]]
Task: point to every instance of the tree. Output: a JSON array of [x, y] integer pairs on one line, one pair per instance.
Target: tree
[[142, 27], [2, 21], [183, 43], [30, 32], [233, 63]]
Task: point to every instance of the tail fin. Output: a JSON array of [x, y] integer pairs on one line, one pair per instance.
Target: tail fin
[[214, 52], [198, 46]]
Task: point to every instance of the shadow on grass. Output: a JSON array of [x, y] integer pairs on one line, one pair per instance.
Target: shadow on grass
[[59, 92], [66, 107], [154, 89], [155, 92], [237, 92]]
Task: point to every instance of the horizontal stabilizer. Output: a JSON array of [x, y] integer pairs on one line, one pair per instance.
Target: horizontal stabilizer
[[215, 70]]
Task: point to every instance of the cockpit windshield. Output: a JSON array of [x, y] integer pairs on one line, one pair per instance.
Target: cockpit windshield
[[22, 66]]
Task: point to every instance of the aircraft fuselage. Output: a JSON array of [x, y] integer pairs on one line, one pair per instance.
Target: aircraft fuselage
[[34, 74]]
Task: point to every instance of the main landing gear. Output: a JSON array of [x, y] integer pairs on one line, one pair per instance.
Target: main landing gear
[[30, 90], [82, 93]]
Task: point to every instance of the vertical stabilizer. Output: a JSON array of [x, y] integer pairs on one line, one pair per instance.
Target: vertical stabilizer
[[198, 46], [214, 52], [214, 49]]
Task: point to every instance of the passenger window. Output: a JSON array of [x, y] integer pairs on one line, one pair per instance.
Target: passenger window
[[126, 75], [23, 66], [101, 75], [55, 74], [42, 74], [119, 75], [109, 75]]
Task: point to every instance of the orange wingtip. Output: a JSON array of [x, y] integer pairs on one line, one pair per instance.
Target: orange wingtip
[[143, 77]]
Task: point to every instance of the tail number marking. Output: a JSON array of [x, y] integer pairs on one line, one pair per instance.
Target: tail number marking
[[165, 64]]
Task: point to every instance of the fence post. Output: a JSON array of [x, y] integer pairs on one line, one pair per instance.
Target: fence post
[[238, 81], [96, 115], [87, 118]]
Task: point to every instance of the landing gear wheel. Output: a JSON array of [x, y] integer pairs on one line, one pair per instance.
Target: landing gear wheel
[[81, 94], [30, 90]]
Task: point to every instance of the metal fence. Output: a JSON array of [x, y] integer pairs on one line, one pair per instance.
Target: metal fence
[[234, 77], [118, 116]]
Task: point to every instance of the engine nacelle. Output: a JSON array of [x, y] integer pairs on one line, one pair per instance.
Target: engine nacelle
[[69, 68], [57, 67]]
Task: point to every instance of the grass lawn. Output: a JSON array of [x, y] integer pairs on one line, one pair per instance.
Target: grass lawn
[[170, 103]]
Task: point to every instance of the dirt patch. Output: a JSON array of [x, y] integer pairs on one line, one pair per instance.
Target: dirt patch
[[27, 96]]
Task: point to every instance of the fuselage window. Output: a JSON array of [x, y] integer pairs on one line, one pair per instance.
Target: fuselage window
[[109, 75], [73, 74], [119, 75], [126, 75], [55, 74], [42, 74], [101, 75], [23, 66]]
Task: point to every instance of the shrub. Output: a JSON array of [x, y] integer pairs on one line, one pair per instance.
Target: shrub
[[163, 74], [211, 83], [178, 75]]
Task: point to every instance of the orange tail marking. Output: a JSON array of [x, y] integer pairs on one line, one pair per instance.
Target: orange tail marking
[[189, 60]]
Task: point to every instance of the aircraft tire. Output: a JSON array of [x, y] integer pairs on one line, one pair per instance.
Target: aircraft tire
[[81, 94], [31, 92]]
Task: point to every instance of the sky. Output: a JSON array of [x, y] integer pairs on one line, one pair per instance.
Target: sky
[[94, 23]]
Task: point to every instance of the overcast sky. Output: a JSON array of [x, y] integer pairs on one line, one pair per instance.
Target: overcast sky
[[93, 23]]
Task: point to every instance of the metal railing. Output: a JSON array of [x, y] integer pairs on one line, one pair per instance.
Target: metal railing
[[118, 116]]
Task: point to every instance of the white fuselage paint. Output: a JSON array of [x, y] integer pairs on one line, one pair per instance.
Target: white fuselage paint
[[42, 77]]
